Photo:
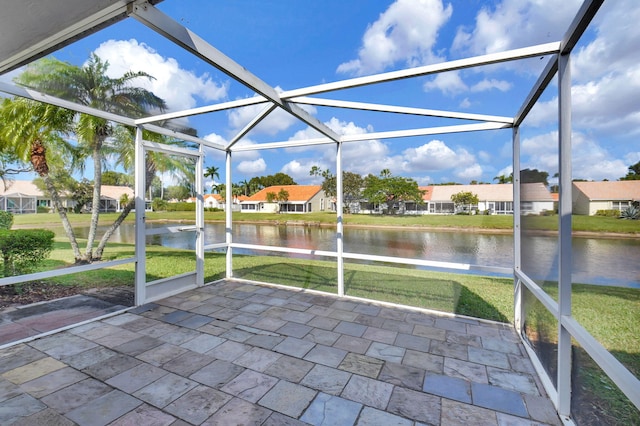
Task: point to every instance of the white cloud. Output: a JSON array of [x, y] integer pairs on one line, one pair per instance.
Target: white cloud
[[465, 103], [252, 167], [406, 32], [471, 172], [489, 84], [435, 156], [299, 170], [448, 83], [178, 87], [516, 23]]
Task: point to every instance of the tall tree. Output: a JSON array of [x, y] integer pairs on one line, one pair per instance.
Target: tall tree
[[502, 179], [463, 200], [634, 172], [212, 172], [34, 133], [91, 86], [390, 190], [534, 176], [352, 184]]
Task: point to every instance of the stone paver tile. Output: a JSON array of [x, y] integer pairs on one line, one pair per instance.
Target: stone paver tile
[[463, 339], [458, 413], [294, 330], [299, 317], [367, 309], [500, 345], [380, 335], [521, 363], [217, 374], [76, 395], [541, 409], [255, 308], [141, 323], [498, 399], [188, 363], [162, 354], [52, 382], [294, 347], [158, 330], [350, 328], [95, 330], [509, 420], [214, 330], [319, 310], [368, 391], [415, 405], [429, 362], [398, 326], [105, 409], [33, 370], [324, 337], [326, 379], [429, 332], [483, 331], [448, 387], [257, 359], [326, 355], [264, 341], [229, 350], [250, 385], [386, 352], [466, 370], [372, 417], [121, 319], [237, 334], [19, 406], [198, 404], [46, 417], [244, 319], [118, 338], [420, 318], [352, 344], [195, 321], [145, 415], [451, 324], [289, 368], [111, 366], [269, 323], [238, 412], [449, 349], [17, 356], [402, 375], [342, 315], [179, 336], [139, 345], [393, 313], [345, 305], [324, 323], [279, 419], [519, 382], [369, 320], [62, 344], [410, 341], [165, 390], [329, 410], [136, 378], [288, 398], [362, 365], [176, 316], [487, 357], [203, 343], [8, 390], [85, 359]]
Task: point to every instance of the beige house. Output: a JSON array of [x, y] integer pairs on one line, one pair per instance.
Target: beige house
[[301, 199], [589, 197], [22, 196]]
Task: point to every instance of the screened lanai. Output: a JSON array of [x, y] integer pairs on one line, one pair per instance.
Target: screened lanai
[[542, 318]]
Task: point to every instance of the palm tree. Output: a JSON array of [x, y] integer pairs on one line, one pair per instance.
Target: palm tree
[[33, 133], [503, 179], [246, 186], [212, 172], [89, 85]]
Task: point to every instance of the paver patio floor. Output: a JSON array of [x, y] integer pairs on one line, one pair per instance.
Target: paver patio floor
[[235, 353]]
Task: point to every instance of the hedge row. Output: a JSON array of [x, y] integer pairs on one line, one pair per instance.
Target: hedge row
[[23, 249]]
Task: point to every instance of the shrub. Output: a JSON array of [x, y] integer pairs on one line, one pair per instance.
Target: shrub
[[608, 213], [23, 249], [42, 209], [6, 219], [181, 207], [631, 212], [158, 204]]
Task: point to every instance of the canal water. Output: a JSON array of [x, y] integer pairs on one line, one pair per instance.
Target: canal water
[[602, 261]]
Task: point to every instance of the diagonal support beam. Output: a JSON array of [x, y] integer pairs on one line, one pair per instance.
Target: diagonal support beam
[[182, 36], [253, 123]]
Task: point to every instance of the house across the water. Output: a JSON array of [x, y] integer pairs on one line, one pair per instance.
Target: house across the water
[[299, 199]]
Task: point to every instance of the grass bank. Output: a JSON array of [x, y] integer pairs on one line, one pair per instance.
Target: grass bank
[[590, 224]]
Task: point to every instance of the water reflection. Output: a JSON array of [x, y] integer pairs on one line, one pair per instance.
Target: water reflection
[[595, 260]]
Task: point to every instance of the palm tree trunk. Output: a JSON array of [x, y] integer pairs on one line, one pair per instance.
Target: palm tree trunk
[[95, 207]]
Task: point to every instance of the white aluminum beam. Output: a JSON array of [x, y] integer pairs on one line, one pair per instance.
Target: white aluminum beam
[[141, 240], [182, 36], [544, 298], [399, 109], [199, 183], [203, 110], [538, 88], [492, 58], [579, 25], [170, 149], [339, 220], [284, 144], [426, 131], [252, 124]]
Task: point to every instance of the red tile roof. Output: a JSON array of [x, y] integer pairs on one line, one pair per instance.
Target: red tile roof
[[623, 190], [296, 192]]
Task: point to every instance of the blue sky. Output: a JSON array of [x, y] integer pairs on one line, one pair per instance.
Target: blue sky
[[291, 44]]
